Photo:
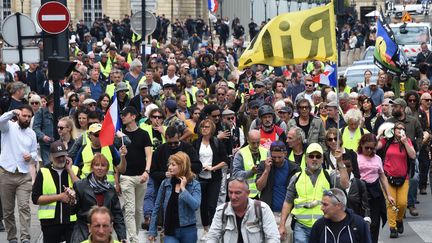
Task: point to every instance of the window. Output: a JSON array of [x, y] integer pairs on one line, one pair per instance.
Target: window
[[92, 10]]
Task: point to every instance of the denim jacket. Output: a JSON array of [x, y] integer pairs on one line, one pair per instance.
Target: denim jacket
[[43, 125], [189, 202]]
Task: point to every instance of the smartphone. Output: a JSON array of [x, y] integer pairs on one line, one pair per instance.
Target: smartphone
[[402, 133], [241, 88]]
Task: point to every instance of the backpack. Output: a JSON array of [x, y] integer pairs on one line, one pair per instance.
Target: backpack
[[258, 214]]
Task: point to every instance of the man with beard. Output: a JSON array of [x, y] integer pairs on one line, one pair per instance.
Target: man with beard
[[414, 132], [15, 179], [269, 131], [52, 192], [159, 166]]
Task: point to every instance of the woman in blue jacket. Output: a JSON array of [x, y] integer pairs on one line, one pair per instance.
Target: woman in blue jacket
[[179, 196]]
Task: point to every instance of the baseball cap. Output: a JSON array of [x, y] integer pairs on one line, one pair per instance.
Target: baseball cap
[[143, 86], [259, 83], [373, 81], [121, 87], [171, 105], [286, 109], [58, 149], [278, 146], [168, 85], [399, 101], [332, 104], [95, 127], [254, 104], [89, 101], [129, 109], [228, 112], [314, 147]]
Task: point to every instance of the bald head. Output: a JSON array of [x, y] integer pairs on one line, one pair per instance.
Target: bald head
[[254, 138]]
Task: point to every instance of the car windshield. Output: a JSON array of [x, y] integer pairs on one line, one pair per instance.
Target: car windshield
[[369, 53], [356, 76], [413, 35]]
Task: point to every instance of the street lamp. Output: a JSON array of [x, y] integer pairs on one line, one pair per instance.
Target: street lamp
[[252, 2], [265, 10], [277, 7]]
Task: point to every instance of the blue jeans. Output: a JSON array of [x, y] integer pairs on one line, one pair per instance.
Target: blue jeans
[[301, 233], [183, 235], [149, 198]]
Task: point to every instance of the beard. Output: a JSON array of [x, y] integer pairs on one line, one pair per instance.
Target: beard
[[59, 165], [396, 114], [23, 124]]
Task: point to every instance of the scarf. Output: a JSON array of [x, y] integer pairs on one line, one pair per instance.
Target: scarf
[[99, 187]]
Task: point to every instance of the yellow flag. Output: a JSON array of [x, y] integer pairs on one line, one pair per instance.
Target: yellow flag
[[293, 38]]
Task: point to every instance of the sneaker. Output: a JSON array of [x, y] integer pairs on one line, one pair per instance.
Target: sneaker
[[2, 228], [145, 225], [400, 227], [393, 233], [413, 211], [423, 191], [204, 236]]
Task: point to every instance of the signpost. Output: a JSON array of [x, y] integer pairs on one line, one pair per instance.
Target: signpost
[[53, 17], [150, 5], [150, 23]]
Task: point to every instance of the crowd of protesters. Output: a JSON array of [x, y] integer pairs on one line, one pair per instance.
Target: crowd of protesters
[[266, 154]]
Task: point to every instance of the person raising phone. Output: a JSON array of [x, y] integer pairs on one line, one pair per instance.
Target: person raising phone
[[52, 192]]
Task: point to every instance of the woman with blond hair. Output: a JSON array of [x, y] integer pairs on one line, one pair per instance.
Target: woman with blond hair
[[96, 190], [66, 131], [179, 197]]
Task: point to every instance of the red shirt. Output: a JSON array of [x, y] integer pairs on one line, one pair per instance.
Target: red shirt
[[395, 161]]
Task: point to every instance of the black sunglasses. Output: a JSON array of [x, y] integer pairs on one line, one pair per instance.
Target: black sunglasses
[[331, 194], [314, 156], [96, 134]]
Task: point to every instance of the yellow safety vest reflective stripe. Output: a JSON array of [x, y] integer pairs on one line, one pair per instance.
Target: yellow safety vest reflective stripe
[[86, 139], [148, 128], [105, 70], [308, 193], [47, 211], [248, 163], [135, 37], [303, 161], [110, 88], [87, 156]]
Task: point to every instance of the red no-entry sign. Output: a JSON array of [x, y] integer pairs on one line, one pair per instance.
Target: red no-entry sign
[[53, 17]]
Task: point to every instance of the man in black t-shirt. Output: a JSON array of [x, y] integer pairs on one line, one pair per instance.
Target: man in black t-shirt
[[133, 183]]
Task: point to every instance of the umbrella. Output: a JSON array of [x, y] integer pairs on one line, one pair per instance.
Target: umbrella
[[374, 13]]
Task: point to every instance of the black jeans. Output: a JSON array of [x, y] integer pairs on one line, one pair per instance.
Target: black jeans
[[57, 233], [424, 164], [209, 197]]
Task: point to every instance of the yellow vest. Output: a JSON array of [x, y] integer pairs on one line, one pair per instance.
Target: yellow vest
[[87, 156], [148, 128], [352, 143], [307, 193], [135, 37], [105, 70], [248, 163], [188, 95], [110, 89], [47, 211], [129, 58], [303, 161]]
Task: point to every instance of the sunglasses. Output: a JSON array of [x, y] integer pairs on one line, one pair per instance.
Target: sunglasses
[[92, 104], [221, 94], [314, 156], [74, 100], [370, 148], [309, 85], [146, 101], [412, 101], [61, 128], [304, 107], [200, 96], [258, 86], [331, 194], [332, 139], [216, 116], [173, 144], [205, 127], [230, 118], [427, 100], [34, 103], [157, 117], [96, 134]]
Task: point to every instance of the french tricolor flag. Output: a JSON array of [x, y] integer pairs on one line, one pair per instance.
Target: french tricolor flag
[[111, 124], [328, 77], [213, 5]]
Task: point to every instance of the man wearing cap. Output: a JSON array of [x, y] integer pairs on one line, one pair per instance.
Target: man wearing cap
[[168, 92], [138, 101], [374, 92], [116, 160], [333, 116], [105, 66], [52, 191], [170, 109], [116, 77], [43, 125], [73, 49], [152, 87], [246, 161], [19, 151], [259, 92], [273, 176], [414, 132], [122, 95], [305, 190], [133, 182], [246, 118]]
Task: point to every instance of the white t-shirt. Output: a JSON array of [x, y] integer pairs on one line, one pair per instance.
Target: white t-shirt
[[206, 158], [167, 80]]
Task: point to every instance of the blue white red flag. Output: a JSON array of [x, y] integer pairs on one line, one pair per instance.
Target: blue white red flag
[[110, 125], [213, 5], [328, 77]]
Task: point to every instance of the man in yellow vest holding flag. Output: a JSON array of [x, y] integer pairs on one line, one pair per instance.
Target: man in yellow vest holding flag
[[246, 161], [116, 160], [52, 191], [305, 190]]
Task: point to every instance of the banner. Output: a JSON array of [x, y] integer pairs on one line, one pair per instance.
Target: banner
[[293, 38], [387, 55]]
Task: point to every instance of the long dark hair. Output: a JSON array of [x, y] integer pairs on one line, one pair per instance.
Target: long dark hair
[[367, 138], [99, 101]]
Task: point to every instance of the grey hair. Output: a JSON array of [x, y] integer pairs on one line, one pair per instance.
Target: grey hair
[[331, 96], [354, 115], [338, 194], [15, 86], [353, 95], [317, 93], [343, 96], [299, 133], [135, 63]]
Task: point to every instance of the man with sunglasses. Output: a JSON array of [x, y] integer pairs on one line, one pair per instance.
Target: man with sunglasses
[[305, 189], [273, 176], [339, 224], [308, 92]]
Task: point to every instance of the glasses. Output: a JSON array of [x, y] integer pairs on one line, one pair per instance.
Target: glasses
[[34, 103], [146, 101], [205, 127], [92, 104], [216, 116], [370, 148], [74, 100], [309, 85], [221, 94], [332, 139], [200, 96], [96, 134], [412, 101], [400, 128], [197, 113], [258, 86], [157, 117], [304, 107], [427, 100], [331, 194], [230, 118], [314, 156], [61, 128], [173, 144]]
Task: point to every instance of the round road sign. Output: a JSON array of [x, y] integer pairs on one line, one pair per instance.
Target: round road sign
[[10, 29], [53, 17], [136, 24]]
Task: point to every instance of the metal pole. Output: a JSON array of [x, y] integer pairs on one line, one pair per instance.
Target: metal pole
[[20, 47], [172, 12], [143, 36], [265, 10], [22, 6], [252, 2]]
